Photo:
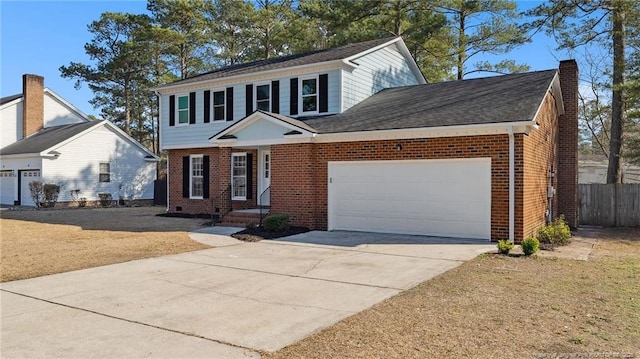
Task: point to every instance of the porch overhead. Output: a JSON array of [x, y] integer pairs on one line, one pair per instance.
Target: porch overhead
[[263, 128]]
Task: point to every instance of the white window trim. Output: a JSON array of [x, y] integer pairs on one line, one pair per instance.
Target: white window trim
[[212, 111], [233, 155], [100, 173], [177, 114], [300, 98], [255, 95], [191, 157]]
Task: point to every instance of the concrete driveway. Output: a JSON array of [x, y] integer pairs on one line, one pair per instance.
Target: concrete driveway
[[224, 302]]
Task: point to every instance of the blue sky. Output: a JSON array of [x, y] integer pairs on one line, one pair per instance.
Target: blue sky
[[38, 37]]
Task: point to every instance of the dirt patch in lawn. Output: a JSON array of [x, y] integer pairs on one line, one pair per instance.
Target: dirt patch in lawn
[[258, 233], [503, 307], [35, 243]]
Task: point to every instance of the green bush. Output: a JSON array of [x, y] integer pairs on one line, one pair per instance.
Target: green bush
[[504, 246], [557, 233], [530, 246], [277, 223]]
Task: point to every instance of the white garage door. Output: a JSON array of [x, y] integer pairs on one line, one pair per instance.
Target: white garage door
[[449, 198], [8, 184], [25, 193]]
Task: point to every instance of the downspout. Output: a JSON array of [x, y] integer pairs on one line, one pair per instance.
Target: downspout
[[512, 183]]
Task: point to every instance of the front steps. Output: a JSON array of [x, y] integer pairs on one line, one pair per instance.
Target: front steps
[[242, 218]]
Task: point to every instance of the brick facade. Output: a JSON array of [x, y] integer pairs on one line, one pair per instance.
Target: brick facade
[[33, 104], [568, 144]]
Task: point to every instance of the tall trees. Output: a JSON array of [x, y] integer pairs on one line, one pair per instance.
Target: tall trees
[[119, 76], [577, 23]]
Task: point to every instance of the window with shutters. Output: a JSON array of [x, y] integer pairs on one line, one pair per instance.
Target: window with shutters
[[105, 172], [219, 106], [182, 110], [263, 97], [197, 177], [309, 95], [239, 176]]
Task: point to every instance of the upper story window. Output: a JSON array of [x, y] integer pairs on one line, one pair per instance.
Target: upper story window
[[183, 109], [105, 172], [309, 94], [219, 106], [263, 97]]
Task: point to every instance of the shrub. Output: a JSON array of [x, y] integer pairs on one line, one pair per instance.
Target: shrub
[[556, 233], [530, 246], [504, 246], [277, 223], [50, 193], [82, 202], [105, 199], [36, 188]]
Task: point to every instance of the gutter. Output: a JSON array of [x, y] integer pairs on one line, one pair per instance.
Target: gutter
[[512, 183]]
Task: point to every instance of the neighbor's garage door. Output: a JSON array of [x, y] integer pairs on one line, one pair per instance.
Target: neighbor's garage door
[[7, 187], [26, 178], [449, 198]]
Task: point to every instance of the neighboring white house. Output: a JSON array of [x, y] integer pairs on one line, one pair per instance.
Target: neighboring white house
[[45, 138], [593, 169]]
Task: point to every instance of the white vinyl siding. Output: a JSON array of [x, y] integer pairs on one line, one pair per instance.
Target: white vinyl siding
[[378, 70]]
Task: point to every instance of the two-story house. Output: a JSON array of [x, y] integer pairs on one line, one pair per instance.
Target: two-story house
[[353, 138], [47, 139]]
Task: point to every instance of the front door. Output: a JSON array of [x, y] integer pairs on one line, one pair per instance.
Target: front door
[[264, 198]]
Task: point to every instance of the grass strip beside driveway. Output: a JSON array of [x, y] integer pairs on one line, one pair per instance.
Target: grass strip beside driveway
[[502, 307]]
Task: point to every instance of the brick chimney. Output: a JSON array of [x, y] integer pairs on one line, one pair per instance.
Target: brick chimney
[[567, 172], [33, 104]]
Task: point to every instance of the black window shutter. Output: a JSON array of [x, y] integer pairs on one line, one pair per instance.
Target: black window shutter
[[249, 102], [172, 110], [293, 103], [185, 176], [207, 106], [275, 96], [249, 175], [323, 101], [192, 108], [205, 176], [229, 102]]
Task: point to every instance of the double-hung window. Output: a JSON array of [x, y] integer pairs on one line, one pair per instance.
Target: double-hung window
[[309, 94], [183, 110], [197, 177], [263, 97], [219, 109], [105, 172], [239, 176]]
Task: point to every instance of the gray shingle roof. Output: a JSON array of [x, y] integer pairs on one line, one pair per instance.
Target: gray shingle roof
[[8, 99], [46, 138], [506, 98], [306, 58]]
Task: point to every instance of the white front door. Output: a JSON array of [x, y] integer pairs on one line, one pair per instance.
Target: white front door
[[264, 178]]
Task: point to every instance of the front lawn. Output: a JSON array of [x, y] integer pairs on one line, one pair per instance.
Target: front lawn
[[503, 307]]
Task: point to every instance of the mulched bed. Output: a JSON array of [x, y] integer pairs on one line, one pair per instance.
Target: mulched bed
[[259, 233]]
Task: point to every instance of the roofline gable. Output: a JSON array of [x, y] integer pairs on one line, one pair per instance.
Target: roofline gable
[[257, 116], [67, 104], [11, 103]]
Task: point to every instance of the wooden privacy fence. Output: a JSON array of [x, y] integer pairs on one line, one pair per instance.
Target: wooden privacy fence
[[611, 205]]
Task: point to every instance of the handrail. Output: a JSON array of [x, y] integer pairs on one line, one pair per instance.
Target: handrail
[[263, 195]]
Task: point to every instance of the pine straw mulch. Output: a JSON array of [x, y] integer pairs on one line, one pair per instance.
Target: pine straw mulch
[[503, 307], [256, 234], [40, 242]]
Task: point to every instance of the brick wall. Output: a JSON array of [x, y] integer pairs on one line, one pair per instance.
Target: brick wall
[[568, 144], [299, 181], [33, 104], [540, 158], [219, 182]]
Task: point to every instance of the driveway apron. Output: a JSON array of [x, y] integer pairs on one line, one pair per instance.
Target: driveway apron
[[221, 302]]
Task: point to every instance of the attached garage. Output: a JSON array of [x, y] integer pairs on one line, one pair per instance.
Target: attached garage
[[7, 187], [450, 198], [26, 177]]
